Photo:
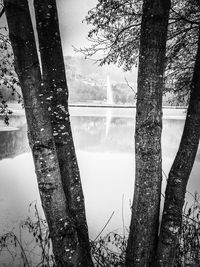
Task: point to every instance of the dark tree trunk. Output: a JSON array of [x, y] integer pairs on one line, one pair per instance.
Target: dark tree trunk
[[40, 132], [146, 202], [57, 98], [179, 174]]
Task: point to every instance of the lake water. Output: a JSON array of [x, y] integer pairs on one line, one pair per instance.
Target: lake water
[[104, 140]]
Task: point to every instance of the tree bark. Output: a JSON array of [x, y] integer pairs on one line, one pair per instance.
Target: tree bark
[[179, 174], [146, 202], [40, 133], [57, 99]]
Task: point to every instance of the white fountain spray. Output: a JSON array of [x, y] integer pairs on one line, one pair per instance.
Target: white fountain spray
[[110, 100]]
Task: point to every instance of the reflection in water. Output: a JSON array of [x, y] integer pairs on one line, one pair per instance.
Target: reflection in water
[[106, 163], [13, 143], [108, 120], [13, 138], [110, 101], [89, 134]]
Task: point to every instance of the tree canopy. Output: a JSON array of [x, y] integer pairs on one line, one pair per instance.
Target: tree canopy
[[115, 38]]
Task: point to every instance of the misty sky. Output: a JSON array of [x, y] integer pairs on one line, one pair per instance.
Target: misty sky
[[73, 31], [71, 13]]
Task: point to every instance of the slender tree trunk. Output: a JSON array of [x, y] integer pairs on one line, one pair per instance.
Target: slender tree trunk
[[179, 174], [146, 202], [40, 132], [57, 97]]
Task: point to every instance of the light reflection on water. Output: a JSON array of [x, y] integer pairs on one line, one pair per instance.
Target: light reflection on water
[[105, 151]]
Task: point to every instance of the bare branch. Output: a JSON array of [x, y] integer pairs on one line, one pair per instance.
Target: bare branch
[[130, 87], [2, 12]]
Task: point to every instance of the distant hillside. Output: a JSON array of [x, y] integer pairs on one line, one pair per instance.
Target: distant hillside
[[88, 82], [90, 68]]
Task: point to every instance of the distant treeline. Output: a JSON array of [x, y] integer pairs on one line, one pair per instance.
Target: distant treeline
[[87, 83]]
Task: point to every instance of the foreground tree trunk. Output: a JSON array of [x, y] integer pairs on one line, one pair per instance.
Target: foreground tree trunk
[[40, 133], [146, 202], [179, 174], [57, 99]]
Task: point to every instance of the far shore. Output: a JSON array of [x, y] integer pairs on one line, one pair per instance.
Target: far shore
[[105, 110]]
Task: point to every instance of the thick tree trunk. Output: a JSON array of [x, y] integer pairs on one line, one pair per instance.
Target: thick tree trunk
[[40, 132], [179, 174], [57, 98], [146, 202]]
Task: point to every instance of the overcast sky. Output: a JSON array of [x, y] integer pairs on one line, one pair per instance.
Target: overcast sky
[[71, 14], [73, 31]]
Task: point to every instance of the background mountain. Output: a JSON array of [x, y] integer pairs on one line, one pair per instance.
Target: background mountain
[[88, 81]]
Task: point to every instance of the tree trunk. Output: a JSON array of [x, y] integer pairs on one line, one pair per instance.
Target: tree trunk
[[179, 174], [146, 202], [57, 98], [40, 133]]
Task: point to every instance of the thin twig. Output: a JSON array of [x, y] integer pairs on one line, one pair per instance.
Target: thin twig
[[2, 11], [105, 225], [165, 175], [130, 86]]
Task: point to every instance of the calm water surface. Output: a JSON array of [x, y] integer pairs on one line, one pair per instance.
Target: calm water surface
[[104, 140]]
